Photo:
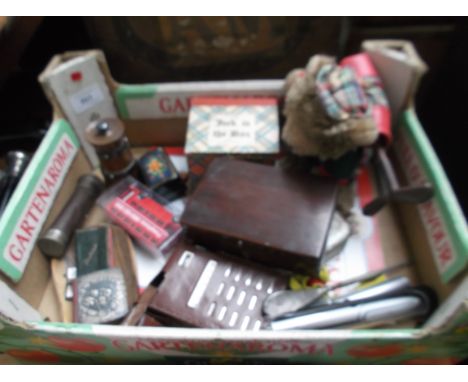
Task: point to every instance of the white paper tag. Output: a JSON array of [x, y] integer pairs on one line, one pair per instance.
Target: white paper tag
[[86, 98], [14, 307], [148, 264], [180, 163], [232, 130]]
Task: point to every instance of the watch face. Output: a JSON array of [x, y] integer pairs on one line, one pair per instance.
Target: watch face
[[102, 297]]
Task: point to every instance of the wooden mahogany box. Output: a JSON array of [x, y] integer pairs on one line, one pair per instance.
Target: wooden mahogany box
[[264, 213]]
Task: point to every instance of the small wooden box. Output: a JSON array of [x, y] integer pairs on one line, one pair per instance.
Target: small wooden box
[[241, 127], [263, 213]]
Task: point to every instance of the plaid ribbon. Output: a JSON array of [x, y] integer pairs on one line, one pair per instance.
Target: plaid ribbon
[[343, 95]]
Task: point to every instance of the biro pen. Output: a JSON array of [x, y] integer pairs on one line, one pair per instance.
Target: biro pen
[[410, 303]]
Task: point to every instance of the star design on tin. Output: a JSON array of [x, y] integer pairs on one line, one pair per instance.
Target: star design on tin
[[155, 166]]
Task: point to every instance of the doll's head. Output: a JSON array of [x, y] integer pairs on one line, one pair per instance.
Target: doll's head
[[327, 110]]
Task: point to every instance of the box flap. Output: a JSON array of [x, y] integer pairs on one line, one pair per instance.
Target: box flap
[[400, 68], [14, 307], [456, 304], [33, 198], [77, 85], [441, 216], [172, 100]]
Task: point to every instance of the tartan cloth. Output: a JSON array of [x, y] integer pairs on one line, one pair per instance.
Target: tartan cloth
[[343, 95], [198, 163]]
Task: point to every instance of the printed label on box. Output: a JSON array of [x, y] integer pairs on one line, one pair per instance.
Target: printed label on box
[[231, 130], [172, 100], [235, 126], [86, 98], [23, 221], [28, 226], [448, 261]]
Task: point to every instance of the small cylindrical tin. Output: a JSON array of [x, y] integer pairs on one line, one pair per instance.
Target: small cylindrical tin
[[55, 240], [112, 148]]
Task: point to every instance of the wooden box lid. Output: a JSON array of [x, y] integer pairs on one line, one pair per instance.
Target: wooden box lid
[[264, 206]]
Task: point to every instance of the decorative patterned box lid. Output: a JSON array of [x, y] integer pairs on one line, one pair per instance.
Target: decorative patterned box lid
[[233, 125]]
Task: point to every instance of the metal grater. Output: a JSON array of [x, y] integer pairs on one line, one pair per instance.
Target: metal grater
[[204, 289]]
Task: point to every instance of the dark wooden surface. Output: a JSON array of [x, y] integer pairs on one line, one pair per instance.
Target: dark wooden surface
[[262, 212], [170, 304]]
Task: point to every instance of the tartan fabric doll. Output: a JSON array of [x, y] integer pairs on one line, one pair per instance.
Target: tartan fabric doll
[[329, 114]]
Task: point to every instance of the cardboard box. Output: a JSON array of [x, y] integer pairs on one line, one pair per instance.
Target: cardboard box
[[77, 87], [235, 126], [432, 236]]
